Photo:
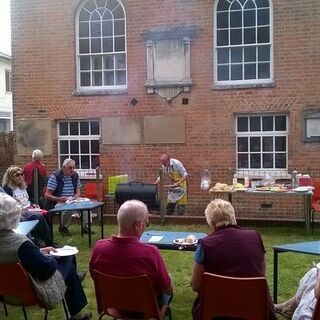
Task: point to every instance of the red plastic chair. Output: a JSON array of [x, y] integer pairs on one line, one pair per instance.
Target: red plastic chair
[[243, 298], [16, 288], [91, 192], [315, 201], [127, 297]]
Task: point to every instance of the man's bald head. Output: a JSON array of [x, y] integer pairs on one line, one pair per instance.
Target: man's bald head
[[165, 159]]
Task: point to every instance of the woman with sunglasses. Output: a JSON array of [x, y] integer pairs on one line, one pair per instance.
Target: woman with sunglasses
[[14, 185]]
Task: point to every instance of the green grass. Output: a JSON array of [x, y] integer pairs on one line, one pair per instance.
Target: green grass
[[179, 263]]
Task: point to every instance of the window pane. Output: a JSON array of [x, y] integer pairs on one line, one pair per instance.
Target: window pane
[[267, 143], [120, 61], [76, 159], [223, 73], [223, 55], [119, 44], [280, 160], [280, 144], [84, 63], [84, 15], [112, 4], [97, 79], [236, 55], [95, 162], [119, 27], [249, 35], [255, 124], [235, 6], [235, 36], [74, 146], [94, 128], [108, 62], [236, 72], [90, 6], [263, 17], [97, 62], [62, 158], [280, 123], [63, 128], [255, 160], [250, 71], [243, 161], [243, 144], [249, 54], [120, 77], [264, 70], [118, 12], [264, 53], [263, 35], [267, 160], [95, 45], [223, 5], [109, 78], [83, 29], [222, 37], [84, 128], [64, 147], [83, 46], [85, 162], [94, 146], [95, 28], [107, 28], [242, 124], [107, 45], [249, 4], [85, 79], [262, 3], [74, 130], [267, 123], [255, 144], [222, 20], [84, 146], [235, 19], [249, 18]]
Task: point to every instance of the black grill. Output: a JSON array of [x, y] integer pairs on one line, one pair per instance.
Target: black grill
[[146, 193]]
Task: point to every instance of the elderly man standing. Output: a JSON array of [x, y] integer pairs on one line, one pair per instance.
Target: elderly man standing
[[64, 184], [177, 193], [124, 255]]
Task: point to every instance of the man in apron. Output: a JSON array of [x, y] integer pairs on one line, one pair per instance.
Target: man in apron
[[177, 192]]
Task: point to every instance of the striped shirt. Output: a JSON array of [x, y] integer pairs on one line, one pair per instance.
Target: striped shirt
[[68, 189]]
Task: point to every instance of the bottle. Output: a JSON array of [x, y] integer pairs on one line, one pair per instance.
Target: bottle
[[246, 182], [205, 180], [294, 178], [234, 180]]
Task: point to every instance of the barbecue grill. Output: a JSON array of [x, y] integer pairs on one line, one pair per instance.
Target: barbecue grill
[[147, 193]]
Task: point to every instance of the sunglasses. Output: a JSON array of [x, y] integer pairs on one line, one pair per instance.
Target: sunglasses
[[19, 174]]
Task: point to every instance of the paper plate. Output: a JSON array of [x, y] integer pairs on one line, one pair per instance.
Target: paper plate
[[302, 189], [64, 251], [182, 242]]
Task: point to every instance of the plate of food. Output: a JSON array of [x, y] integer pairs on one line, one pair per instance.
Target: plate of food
[[279, 189], [64, 251], [190, 240], [302, 189], [262, 188]]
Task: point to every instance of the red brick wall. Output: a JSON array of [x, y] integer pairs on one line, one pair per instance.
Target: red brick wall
[[43, 58]]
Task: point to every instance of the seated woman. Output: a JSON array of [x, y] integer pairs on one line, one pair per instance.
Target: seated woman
[[41, 265], [228, 251], [14, 185]]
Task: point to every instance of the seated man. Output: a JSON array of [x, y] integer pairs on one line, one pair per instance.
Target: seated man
[[124, 255]]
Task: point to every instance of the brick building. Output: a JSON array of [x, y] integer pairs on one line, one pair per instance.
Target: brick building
[[232, 86]]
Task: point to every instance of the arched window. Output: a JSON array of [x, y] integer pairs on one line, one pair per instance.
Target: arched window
[[101, 46], [243, 42]]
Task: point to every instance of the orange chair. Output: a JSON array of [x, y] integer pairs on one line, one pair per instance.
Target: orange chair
[[243, 298], [127, 297], [315, 201], [91, 192], [16, 289]]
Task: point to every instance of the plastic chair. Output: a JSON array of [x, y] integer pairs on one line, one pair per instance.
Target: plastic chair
[[91, 192], [127, 297], [16, 289], [315, 201], [243, 298]]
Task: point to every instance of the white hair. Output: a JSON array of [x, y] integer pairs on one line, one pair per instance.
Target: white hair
[[37, 154], [130, 212], [67, 161], [9, 212]]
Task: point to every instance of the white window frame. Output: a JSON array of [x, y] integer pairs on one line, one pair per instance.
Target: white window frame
[[243, 82], [83, 173], [279, 173], [101, 88]]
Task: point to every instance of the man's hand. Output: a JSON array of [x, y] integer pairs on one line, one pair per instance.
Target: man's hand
[[62, 199], [46, 250]]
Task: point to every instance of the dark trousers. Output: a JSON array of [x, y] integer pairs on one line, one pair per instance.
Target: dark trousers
[[75, 296], [42, 228]]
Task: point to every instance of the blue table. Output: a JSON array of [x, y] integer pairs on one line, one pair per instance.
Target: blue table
[[80, 207], [311, 247], [25, 227], [164, 239]]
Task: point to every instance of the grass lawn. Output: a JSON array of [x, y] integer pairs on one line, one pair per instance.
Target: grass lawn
[[179, 263]]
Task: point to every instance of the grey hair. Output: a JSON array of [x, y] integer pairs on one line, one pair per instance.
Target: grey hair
[[129, 212], [37, 154], [67, 161], [9, 212], [220, 213]]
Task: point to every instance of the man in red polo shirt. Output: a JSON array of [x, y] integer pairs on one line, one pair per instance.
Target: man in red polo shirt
[[28, 170], [124, 255]]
